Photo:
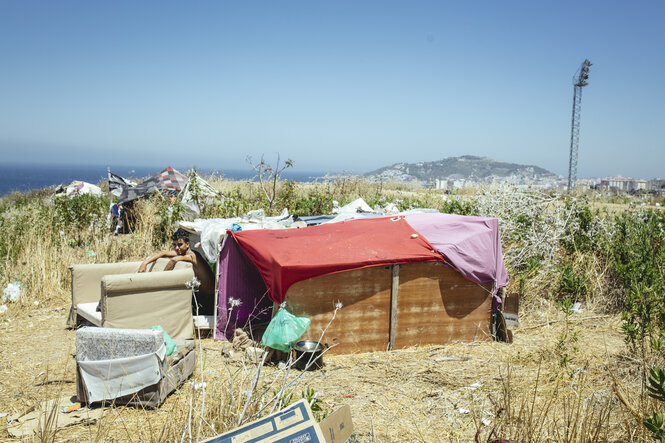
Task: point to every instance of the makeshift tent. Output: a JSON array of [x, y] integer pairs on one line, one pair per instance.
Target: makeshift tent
[[118, 183], [168, 181], [439, 272]]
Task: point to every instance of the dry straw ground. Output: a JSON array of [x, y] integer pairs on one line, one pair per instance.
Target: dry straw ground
[[436, 393]]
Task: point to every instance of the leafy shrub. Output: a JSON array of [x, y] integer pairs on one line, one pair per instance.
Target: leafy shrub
[[168, 214], [656, 389], [455, 206], [82, 211], [82, 216], [637, 254], [571, 284], [579, 228]]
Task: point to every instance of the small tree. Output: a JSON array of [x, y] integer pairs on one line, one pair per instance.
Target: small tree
[[268, 177]]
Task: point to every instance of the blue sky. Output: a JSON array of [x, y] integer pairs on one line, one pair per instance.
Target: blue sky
[[336, 86]]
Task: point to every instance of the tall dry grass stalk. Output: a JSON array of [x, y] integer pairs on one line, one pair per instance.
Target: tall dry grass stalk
[[551, 409]]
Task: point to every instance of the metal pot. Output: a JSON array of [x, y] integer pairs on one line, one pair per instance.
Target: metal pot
[[309, 355]]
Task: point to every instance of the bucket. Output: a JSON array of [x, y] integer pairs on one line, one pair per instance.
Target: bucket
[[309, 355]]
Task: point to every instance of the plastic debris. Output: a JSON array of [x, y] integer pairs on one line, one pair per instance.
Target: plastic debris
[[36, 303], [390, 209], [12, 292], [576, 308], [463, 411], [91, 253], [70, 407], [3, 309]]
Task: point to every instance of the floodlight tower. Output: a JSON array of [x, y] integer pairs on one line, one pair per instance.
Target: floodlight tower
[[579, 81]]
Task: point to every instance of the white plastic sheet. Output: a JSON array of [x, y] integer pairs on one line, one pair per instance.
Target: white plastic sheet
[[109, 379], [212, 231]]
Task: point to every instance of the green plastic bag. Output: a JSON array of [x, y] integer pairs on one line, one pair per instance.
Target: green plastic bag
[[170, 344], [284, 330]]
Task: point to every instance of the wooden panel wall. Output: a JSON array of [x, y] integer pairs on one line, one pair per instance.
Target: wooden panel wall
[[362, 324], [436, 305]]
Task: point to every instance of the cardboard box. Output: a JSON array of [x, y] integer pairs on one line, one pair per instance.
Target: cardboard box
[[337, 427], [511, 307], [294, 424]]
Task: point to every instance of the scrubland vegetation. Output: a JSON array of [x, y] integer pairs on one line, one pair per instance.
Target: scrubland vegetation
[[559, 249]]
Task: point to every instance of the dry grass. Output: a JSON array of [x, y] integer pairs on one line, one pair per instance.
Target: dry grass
[[418, 394]]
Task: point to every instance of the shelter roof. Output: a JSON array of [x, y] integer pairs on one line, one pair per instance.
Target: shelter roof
[[471, 245], [286, 256]]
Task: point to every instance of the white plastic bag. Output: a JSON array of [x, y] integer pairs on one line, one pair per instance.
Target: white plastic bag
[[12, 292]]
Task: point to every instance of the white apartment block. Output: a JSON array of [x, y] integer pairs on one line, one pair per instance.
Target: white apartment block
[[623, 184]]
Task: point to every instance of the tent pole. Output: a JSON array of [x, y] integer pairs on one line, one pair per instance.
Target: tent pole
[[394, 290], [214, 313], [108, 177]]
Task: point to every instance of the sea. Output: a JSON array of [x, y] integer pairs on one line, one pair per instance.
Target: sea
[[23, 177]]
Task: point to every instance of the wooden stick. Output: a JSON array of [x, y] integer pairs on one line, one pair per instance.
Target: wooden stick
[[55, 380], [394, 290]]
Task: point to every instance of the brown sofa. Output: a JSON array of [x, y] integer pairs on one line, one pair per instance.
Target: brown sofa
[[133, 300]]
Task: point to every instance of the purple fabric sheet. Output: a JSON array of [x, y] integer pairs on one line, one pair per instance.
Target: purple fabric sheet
[[472, 245], [239, 280]]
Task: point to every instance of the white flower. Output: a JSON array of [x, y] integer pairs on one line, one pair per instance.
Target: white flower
[[193, 283], [233, 302], [198, 386]]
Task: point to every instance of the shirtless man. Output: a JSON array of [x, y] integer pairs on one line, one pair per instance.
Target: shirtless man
[[182, 252]]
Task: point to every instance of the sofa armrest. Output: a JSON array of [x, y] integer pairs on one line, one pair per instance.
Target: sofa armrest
[[86, 281], [140, 301]]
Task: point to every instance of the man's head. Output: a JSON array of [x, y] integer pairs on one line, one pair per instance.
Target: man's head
[[180, 241]]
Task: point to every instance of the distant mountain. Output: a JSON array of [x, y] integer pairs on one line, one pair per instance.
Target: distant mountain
[[467, 167]]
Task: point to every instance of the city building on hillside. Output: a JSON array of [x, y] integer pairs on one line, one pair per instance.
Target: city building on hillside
[[657, 184], [623, 184]]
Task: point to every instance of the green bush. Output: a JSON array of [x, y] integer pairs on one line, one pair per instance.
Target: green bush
[[571, 284], [637, 258], [579, 235], [168, 215], [81, 212], [656, 390]]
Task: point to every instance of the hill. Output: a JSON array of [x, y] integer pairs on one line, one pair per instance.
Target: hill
[[467, 167]]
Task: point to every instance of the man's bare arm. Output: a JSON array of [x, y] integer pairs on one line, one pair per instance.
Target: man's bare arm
[[191, 258], [145, 263]]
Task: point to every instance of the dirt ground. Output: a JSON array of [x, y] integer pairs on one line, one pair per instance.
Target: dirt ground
[[432, 393]]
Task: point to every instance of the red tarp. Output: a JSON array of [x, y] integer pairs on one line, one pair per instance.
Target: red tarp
[[286, 256]]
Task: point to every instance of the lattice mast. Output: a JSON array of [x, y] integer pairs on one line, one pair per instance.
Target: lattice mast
[[579, 81]]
